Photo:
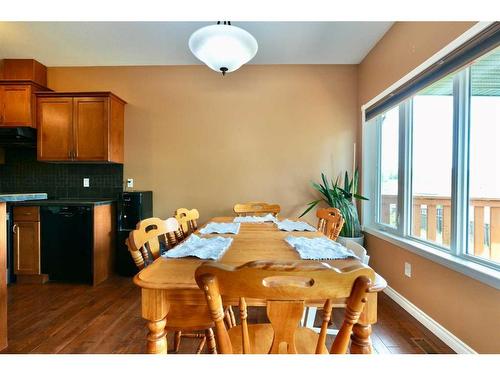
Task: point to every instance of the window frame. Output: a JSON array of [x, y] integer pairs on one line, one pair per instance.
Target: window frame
[[408, 155], [457, 252], [381, 225]]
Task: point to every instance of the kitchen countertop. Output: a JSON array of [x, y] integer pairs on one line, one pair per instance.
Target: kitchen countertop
[[22, 197], [67, 202]]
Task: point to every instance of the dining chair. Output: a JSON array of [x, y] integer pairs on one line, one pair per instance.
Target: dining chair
[[310, 312], [188, 223], [256, 208], [285, 286], [144, 246], [187, 220], [330, 222]]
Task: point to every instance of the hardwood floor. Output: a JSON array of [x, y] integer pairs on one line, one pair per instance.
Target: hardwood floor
[[69, 318]]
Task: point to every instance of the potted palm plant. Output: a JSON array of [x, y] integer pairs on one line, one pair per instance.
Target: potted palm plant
[[342, 198]]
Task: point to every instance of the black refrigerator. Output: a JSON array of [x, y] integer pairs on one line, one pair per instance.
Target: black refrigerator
[[133, 206]]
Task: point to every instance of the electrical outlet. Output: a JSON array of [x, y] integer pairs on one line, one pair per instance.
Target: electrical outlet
[[407, 269], [130, 182], [86, 182]]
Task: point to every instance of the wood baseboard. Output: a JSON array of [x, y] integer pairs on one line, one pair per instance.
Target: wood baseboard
[[32, 279], [442, 333]]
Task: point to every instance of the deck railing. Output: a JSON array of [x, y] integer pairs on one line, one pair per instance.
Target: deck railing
[[431, 220]]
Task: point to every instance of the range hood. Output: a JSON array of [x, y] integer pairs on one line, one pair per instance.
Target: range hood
[[17, 137]]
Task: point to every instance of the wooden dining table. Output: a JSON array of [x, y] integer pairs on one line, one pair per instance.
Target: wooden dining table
[[169, 280]]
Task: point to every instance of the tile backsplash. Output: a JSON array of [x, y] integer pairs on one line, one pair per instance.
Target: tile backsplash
[[22, 173]]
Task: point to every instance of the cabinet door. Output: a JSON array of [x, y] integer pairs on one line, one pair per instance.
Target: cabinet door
[[27, 248], [16, 105], [91, 129], [55, 128]]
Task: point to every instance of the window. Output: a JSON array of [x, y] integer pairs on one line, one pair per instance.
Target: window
[[484, 158], [436, 164], [432, 141], [389, 138]]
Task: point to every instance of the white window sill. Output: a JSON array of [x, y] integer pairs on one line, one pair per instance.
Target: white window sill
[[474, 270]]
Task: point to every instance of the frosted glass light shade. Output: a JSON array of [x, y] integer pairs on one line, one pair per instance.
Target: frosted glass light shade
[[224, 48]]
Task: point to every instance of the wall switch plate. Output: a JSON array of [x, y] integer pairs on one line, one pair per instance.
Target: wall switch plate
[[130, 182], [86, 182], [407, 269]]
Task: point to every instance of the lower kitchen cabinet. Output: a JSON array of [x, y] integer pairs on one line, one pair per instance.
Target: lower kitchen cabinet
[[27, 248], [3, 275], [103, 242], [64, 242], [27, 245]]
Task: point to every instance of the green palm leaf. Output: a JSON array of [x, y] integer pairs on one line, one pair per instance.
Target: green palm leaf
[[341, 198]]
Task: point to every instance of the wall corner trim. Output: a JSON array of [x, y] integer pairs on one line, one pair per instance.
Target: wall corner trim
[[442, 333]]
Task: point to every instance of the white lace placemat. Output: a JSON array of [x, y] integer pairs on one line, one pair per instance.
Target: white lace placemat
[[255, 219], [221, 228], [203, 248], [290, 226], [319, 248]]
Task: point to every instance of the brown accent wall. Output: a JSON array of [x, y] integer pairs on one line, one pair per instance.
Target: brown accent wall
[[198, 139], [466, 307]]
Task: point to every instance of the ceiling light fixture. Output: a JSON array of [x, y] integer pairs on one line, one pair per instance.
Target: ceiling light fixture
[[223, 47]]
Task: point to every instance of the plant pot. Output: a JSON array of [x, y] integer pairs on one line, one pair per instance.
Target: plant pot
[[342, 240]]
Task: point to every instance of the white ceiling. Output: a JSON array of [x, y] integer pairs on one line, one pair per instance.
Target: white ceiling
[[166, 43]]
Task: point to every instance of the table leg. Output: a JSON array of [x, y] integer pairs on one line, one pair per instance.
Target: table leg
[[157, 336], [360, 339], [154, 310]]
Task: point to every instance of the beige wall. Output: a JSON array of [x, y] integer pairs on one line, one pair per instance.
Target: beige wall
[[464, 306], [404, 47], [198, 139]]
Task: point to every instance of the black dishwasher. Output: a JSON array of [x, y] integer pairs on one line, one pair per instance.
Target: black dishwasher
[[67, 242]]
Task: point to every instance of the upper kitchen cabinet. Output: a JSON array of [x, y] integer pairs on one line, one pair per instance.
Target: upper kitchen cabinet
[[20, 79], [23, 70], [80, 127], [17, 103]]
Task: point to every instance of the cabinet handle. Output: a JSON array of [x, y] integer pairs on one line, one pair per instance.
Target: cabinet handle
[[14, 227]]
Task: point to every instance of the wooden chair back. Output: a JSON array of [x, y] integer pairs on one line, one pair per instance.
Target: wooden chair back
[[286, 286], [330, 222], [187, 220], [256, 208], [144, 241]]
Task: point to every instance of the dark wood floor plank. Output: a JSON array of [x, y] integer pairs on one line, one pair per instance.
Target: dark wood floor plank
[[79, 321], [378, 345], [106, 330], [69, 318]]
